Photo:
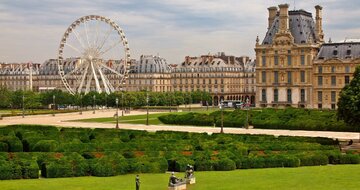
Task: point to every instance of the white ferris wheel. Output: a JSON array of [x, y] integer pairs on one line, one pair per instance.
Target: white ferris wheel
[[94, 55]]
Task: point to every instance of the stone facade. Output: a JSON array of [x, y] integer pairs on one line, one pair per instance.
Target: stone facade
[[284, 60], [333, 68], [224, 77], [151, 73]]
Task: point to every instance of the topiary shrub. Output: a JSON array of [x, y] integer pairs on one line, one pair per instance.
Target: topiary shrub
[[6, 170], [316, 159], [181, 163], [45, 146], [101, 168], [58, 169], [30, 170], [349, 159], [80, 166], [204, 165], [109, 165], [4, 147], [14, 144], [256, 162], [225, 164], [243, 163]]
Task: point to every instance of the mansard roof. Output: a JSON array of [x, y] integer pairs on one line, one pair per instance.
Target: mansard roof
[[151, 64], [342, 50], [301, 26]]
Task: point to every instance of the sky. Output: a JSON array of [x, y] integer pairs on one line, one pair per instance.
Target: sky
[[30, 30]]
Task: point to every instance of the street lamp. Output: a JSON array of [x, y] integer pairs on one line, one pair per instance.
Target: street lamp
[[117, 113], [80, 104], [222, 116], [190, 102], [247, 113], [170, 96], [94, 104], [106, 106], [23, 106], [122, 103], [147, 108], [54, 105]]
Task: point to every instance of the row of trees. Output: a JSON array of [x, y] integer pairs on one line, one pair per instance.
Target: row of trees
[[32, 100]]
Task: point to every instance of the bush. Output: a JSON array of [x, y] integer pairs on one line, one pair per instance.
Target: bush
[[149, 165], [225, 164], [101, 168], [181, 163], [4, 147], [6, 170], [109, 165], [282, 161], [58, 169], [204, 165], [30, 170], [349, 159], [316, 159], [45, 146], [14, 144], [243, 163]]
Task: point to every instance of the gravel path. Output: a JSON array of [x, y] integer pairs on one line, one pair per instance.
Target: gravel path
[[63, 120]]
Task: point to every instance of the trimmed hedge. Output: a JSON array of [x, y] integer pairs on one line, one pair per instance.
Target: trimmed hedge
[[224, 164], [30, 169], [109, 152], [45, 146], [4, 147], [289, 118], [349, 159], [10, 170], [109, 165]]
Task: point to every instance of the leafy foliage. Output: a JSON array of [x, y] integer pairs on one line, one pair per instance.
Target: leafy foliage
[[349, 101]]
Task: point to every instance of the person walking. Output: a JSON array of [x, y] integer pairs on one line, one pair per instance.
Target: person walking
[[137, 182]]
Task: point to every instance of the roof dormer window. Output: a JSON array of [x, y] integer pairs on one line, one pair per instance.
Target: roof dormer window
[[348, 52], [335, 52]]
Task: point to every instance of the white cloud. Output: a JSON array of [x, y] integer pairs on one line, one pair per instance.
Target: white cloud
[[173, 28]]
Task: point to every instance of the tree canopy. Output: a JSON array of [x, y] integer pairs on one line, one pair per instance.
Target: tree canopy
[[349, 101]]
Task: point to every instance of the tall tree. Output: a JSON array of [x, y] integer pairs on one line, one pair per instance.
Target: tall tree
[[349, 101], [5, 97]]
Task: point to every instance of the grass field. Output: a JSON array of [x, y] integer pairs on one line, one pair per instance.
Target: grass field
[[320, 177], [138, 119]]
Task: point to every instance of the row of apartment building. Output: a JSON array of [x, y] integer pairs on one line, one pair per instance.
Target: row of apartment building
[[224, 77], [294, 66]]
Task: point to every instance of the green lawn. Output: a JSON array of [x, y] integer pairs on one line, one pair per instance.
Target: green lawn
[[138, 119], [319, 177]]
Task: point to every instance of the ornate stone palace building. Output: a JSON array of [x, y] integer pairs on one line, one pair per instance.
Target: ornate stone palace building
[[284, 66], [294, 67]]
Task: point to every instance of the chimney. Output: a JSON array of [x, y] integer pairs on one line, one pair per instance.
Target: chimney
[[272, 15], [284, 18], [187, 59], [318, 24]]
